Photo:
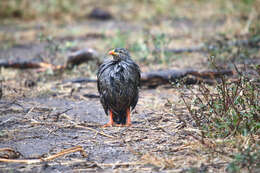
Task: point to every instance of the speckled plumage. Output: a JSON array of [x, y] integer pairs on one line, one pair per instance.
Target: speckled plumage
[[118, 83]]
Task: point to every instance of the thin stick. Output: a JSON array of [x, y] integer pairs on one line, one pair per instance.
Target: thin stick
[[29, 111], [88, 128], [29, 161], [66, 151], [7, 149], [119, 164], [52, 157]]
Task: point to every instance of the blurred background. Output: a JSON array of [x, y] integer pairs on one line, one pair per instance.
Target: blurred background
[[148, 28]]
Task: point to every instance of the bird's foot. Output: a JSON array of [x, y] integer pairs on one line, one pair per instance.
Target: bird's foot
[[117, 125], [123, 125], [128, 124], [108, 125]]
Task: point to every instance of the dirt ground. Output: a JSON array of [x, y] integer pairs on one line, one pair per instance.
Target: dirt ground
[[43, 113]]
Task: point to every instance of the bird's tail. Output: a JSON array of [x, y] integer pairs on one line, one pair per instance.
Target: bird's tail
[[119, 117]]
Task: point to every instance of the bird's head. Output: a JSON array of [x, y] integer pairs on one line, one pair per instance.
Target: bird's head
[[119, 54]]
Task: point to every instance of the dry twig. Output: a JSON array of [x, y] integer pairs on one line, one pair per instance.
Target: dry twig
[[88, 128], [52, 157]]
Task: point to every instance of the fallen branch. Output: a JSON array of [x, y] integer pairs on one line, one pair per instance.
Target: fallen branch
[[74, 58], [52, 157], [81, 56], [28, 65], [162, 77], [80, 80]]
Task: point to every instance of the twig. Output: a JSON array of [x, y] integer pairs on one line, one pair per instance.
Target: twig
[[171, 134], [88, 128], [6, 149], [66, 151], [57, 115], [118, 164], [9, 119], [29, 161], [29, 111], [52, 157]]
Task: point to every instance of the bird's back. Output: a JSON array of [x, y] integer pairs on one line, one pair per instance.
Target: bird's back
[[118, 83]]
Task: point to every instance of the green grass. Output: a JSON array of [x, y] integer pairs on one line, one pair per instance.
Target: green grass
[[141, 50], [119, 40], [248, 159]]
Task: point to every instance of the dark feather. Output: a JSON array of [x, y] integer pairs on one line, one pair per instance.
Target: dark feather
[[118, 85]]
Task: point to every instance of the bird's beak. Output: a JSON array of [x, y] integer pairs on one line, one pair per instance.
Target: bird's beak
[[112, 52]]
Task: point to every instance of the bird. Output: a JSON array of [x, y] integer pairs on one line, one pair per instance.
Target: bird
[[118, 83]]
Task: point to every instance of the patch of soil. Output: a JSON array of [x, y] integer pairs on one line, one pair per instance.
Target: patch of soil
[[38, 129]]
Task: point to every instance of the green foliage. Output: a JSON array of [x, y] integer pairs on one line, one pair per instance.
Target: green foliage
[[152, 49], [141, 50], [248, 2], [160, 40], [245, 5], [119, 40], [160, 43], [224, 50], [196, 170], [54, 50], [229, 111], [53, 46], [248, 159], [232, 109]]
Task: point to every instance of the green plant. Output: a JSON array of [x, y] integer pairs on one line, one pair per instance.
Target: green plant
[[229, 111], [160, 43], [141, 50], [53, 46], [248, 159], [231, 108], [119, 40]]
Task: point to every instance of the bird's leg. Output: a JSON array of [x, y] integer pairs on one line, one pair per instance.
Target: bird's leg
[[111, 122], [128, 120]]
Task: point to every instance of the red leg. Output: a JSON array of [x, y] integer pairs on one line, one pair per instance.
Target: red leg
[[128, 120], [111, 122]]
